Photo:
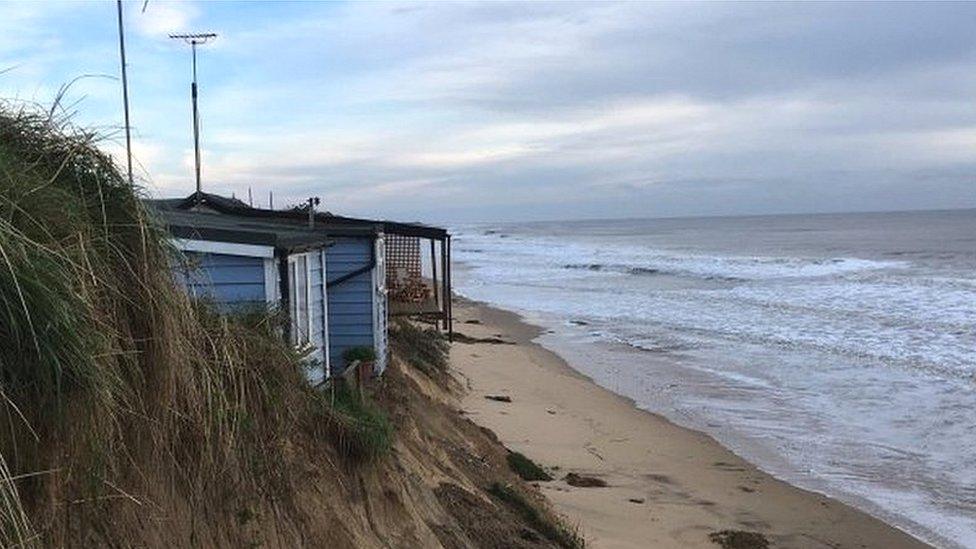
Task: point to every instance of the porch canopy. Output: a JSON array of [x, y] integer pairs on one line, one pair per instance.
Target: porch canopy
[[417, 265], [288, 238]]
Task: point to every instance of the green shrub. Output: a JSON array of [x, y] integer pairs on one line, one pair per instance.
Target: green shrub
[[360, 354], [552, 530], [423, 348], [526, 468], [739, 539], [361, 430]]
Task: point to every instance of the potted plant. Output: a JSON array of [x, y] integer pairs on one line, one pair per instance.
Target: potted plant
[[362, 360]]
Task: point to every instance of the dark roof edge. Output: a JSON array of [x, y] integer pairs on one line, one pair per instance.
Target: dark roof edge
[[411, 229], [211, 234], [235, 207], [222, 235]]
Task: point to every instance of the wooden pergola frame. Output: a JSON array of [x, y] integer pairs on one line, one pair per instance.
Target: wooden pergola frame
[[440, 279]]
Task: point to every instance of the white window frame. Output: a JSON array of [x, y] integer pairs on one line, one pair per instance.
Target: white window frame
[[293, 302], [271, 281], [322, 348], [226, 248]]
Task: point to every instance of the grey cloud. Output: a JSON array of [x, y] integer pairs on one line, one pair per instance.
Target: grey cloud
[[792, 107], [718, 51]]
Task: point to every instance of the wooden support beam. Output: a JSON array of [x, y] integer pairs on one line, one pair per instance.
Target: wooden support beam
[[444, 297], [433, 267], [448, 293]]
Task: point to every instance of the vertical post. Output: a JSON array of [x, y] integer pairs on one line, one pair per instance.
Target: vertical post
[[312, 202], [444, 286], [433, 268], [270, 200], [325, 316], [193, 40], [447, 284], [125, 94], [196, 118]]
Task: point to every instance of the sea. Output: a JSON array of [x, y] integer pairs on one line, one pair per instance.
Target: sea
[[835, 351]]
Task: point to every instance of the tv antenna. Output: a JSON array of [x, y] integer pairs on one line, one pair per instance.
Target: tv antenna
[[194, 40], [313, 201]]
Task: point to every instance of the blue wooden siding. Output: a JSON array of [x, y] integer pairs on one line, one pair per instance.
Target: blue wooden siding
[[230, 280], [350, 302]]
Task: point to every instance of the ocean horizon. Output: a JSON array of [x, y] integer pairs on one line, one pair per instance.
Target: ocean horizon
[[837, 351], [595, 219]]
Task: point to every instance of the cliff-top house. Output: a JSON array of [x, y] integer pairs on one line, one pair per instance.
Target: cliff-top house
[[338, 278]]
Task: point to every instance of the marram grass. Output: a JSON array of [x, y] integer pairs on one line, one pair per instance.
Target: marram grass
[[121, 399]]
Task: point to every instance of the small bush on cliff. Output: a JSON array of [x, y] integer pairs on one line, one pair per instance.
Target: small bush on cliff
[[526, 468], [423, 348], [550, 528], [361, 354], [361, 430], [739, 539]]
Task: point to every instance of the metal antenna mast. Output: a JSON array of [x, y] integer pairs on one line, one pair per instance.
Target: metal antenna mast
[[125, 93], [313, 201], [193, 40]]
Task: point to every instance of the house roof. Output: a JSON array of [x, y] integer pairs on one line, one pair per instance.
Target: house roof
[[205, 225], [325, 222]]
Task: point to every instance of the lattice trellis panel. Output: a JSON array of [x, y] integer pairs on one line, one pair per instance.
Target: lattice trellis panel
[[404, 278]]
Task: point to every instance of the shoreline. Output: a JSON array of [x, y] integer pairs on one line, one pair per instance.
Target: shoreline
[[668, 486]]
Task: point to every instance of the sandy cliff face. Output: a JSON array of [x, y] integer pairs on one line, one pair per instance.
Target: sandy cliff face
[[437, 487], [433, 490]]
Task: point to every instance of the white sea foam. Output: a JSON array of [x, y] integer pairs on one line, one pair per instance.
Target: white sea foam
[[843, 360], [525, 254]]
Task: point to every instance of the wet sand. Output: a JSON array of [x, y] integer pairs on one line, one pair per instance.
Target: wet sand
[[667, 486]]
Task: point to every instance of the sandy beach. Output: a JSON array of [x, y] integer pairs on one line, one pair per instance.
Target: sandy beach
[[667, 486]]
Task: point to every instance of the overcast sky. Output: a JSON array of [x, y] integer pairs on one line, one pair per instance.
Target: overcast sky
[[492, 111]]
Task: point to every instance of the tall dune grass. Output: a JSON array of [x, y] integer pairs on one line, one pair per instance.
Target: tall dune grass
[[123, 403]]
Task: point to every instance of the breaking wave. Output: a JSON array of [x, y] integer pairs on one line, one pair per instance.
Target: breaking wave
[[737, 268]]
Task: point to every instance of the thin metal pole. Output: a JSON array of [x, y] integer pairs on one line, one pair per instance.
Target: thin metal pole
[[194, 40], [313, 201], [125, 93], [196, 118]]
